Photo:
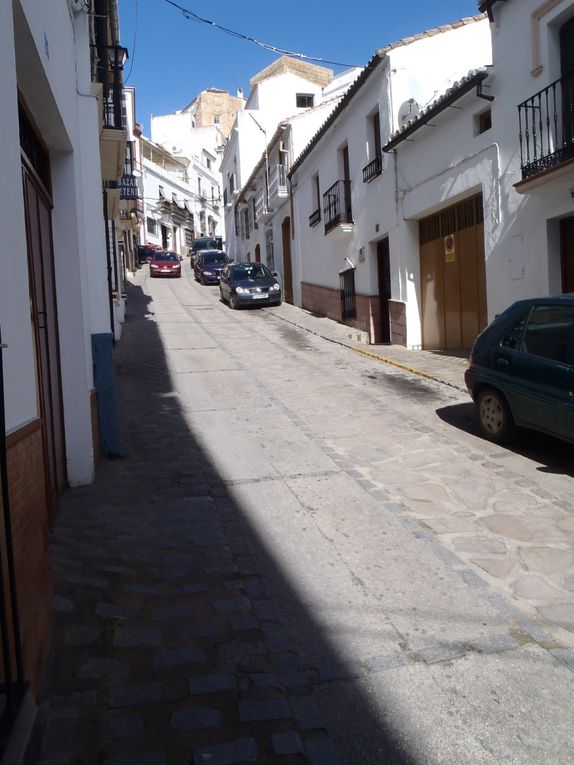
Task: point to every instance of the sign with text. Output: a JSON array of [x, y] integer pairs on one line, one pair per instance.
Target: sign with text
[[131, 187]]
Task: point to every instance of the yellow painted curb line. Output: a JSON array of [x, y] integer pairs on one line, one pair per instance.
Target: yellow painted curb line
[[371, 355]]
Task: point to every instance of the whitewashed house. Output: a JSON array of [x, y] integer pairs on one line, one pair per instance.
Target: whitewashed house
[[281, 90], [263, 204], [63, 142], [485, 181], [169, 200], [347, 222], [532, 251], [201, 149]]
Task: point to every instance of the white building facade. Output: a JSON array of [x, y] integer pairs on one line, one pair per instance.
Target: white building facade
[[280, 91], [485, 181], [59, 144], [347, 244]]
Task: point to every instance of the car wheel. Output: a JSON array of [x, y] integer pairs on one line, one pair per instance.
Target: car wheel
[[233, 302], [494, 416]]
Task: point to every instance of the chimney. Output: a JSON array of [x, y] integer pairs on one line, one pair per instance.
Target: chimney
[[239, 93]]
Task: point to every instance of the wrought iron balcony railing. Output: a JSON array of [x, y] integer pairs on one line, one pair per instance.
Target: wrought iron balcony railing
[[373, 169], [337, 205], [314, 218], [278, 182], [109, 67], [546, 125]]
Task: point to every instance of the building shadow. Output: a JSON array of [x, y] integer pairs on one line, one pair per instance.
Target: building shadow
[[159, 544]]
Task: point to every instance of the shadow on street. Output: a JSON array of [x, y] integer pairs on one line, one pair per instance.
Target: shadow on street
[[169, 640]]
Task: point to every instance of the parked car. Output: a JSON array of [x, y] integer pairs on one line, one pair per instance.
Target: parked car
[[165, 264], [208, 264], [249, 284], [521, 370]]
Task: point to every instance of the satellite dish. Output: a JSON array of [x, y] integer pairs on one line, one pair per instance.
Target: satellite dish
[[408, 111]]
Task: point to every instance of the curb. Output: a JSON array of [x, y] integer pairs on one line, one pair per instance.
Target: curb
[[370, 354]]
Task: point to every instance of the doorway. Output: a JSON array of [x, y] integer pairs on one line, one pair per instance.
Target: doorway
[[287, 269], [38, 212], [384, 279], [567, 254], [453, 276]]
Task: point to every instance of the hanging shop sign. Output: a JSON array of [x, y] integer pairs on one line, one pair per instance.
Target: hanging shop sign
[[130, 186]]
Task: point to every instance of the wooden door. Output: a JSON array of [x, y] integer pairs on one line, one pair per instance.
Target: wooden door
[[432, 295], [45, 322], [287, 269], [257, 253], [567, 254], [384, 277]]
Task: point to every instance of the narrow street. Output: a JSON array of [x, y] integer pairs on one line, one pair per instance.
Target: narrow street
[[304, 555]]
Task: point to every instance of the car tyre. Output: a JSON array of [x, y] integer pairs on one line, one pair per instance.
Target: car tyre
[[494, 416], [233, 303]]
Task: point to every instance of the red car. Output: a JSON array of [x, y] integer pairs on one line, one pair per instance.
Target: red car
[[165, 264]]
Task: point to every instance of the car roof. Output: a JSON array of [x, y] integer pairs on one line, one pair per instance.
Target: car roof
[[567, 298]]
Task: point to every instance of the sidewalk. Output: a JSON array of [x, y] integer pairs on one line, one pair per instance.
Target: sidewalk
[[435, 365]]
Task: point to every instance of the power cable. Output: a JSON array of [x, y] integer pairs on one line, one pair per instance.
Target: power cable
[[192, 16], [133, 56]]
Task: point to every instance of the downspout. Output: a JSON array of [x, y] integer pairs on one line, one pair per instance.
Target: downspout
[[108, 262]]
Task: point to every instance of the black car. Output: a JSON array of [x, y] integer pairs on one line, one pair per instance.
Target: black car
[[249, 284], [208, 265], [521, 370]]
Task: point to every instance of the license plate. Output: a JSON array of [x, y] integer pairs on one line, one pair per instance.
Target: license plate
[[258, 297]]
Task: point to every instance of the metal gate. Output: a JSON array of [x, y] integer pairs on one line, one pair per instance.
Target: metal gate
[[348, 305]]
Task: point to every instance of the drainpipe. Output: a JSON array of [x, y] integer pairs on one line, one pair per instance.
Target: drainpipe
[[109, 263]]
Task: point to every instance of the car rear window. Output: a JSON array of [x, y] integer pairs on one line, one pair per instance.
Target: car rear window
[[216, 257], [547, 331]]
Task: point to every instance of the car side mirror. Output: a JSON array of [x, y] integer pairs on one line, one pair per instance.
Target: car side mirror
[[275, 273]]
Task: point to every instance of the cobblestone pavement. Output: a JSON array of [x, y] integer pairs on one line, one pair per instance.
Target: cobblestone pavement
[[305, 555]]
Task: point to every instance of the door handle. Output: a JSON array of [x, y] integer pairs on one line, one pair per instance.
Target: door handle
[[501, 362]]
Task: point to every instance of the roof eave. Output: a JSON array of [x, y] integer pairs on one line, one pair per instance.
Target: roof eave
[[461, 91]]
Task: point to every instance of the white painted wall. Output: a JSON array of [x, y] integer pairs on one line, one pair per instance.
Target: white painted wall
[[49, 59], [18, 358], [419, 70]]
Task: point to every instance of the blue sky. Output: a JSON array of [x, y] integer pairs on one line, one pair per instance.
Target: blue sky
[[172, 59]]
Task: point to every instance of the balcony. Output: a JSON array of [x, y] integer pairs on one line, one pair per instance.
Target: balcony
[[263, 211], [337, 211], [278, 182], [546, 133], [373, 169], [113, 138]]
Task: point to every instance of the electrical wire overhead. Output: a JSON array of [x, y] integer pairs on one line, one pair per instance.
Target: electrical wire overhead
[[192, 16]]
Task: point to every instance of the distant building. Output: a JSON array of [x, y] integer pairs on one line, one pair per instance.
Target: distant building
[[282, 90], [214, 107]]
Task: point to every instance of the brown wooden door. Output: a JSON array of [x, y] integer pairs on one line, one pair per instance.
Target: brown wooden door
[[45, 322], [453, 276], [432, 295], [287, 269], [567, 254], [257, 253], [384, 276]]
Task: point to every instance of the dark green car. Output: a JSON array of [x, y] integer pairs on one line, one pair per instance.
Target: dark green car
[[521, 370]]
